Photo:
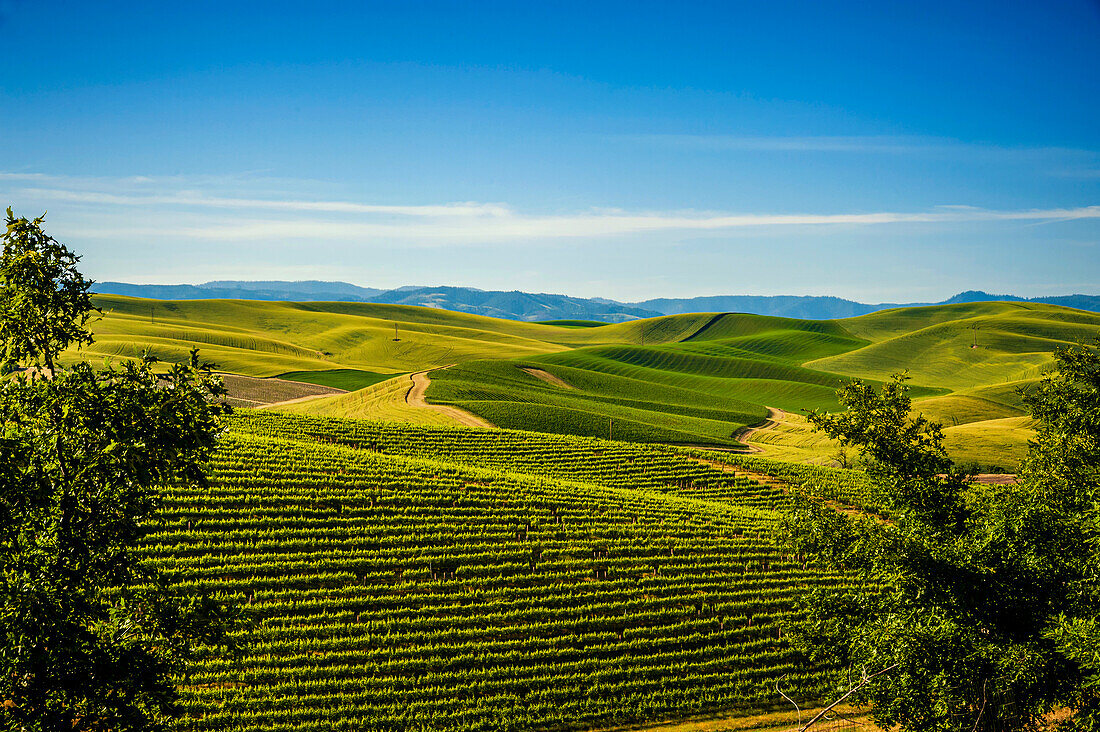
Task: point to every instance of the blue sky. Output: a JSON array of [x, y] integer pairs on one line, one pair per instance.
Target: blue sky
[[876, 151]]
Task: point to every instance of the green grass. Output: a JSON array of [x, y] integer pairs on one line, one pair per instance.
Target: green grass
[[685, 378], [269, 338], [976, 404], [782, 345], [993, 444], [700, 388], [346, 379], [644, 411], [264, 339], [793, 439], [676, 360], [935, 344], [729, 360], [984, 443], [724, 326]]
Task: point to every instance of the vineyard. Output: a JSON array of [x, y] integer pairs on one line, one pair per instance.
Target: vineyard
[[400, 577]]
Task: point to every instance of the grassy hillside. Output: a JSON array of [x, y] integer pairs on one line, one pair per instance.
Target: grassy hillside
[[976, 404], [701, 388], [985, 443], [265, 339], [346, 379], [403, 577], [937, 344], [792, 438], [982, 352], [382, 401], [270, 338], [688, 378], [631, 408], [990, 444]]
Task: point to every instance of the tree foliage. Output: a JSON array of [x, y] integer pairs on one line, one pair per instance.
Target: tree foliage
[[90, 638], [983, 598], [44, 300]]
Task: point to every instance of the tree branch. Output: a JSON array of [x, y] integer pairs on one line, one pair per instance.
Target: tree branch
[[866, 680]]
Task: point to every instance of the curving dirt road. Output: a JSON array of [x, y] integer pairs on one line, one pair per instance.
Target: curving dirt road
[[774, 416], [415, 398]]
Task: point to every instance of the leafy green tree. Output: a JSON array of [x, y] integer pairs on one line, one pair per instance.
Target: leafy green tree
[[44, 300], [1061, 485], [975, 605], [90, 637]]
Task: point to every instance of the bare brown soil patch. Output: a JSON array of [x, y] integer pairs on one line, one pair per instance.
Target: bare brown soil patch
[[548, 377], [995, 478], [249, 391]]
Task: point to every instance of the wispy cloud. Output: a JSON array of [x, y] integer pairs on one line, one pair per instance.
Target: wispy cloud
[[520, 227], [111, 211], [199, 200], [24, 176]]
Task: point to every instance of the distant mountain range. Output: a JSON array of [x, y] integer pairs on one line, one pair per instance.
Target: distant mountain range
[[824, 308], [517, 305], [509, 305]]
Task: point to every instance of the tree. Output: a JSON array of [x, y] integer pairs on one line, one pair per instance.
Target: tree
[[90, 636], [44, 301], [1061, 477], [975, 606]]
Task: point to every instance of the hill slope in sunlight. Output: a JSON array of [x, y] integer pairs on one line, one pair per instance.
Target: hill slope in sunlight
[[697, 378]]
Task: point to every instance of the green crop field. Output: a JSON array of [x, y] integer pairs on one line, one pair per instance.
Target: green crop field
[[270, 338], [404, 577], [690, 379], [401, 573], [346, 379], [701, 388], [962, 346], [966, 362]]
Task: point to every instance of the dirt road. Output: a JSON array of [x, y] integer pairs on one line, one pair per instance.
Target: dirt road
[[415, 398], [774, 416]]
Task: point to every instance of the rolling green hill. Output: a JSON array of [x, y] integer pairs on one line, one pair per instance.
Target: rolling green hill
[[997, 443], [962, 346], [403, 576], [976, 404], [267, 338], [701, 388], [594, 404], [695, 378]]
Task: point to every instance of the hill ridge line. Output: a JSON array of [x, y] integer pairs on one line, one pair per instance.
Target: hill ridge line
[[705, 326], [526, 306]]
